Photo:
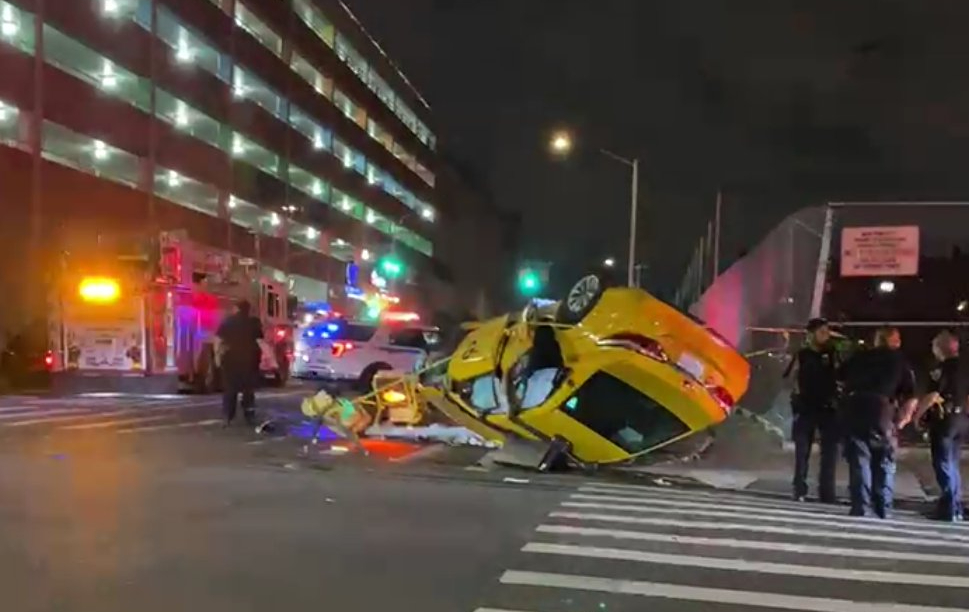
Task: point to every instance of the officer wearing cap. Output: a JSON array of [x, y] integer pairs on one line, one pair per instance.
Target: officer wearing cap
[[877, 382], [813, 406], [944, 410]]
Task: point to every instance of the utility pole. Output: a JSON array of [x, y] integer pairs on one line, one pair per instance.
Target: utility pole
[[716, 237]]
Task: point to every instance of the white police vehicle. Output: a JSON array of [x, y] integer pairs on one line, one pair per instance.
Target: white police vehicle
[[355, 351]]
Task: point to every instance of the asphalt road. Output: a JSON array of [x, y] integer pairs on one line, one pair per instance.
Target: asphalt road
[[174, 514]]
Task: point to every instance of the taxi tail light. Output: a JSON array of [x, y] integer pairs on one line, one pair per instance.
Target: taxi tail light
[[722, 397], [647, 347], [49, 360], [339, 348]]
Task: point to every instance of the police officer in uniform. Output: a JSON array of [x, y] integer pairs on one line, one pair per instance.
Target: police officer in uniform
[[944, 411], [813, 406], [878, 384]]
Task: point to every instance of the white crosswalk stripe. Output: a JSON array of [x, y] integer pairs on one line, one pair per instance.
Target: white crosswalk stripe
[[129, 414], [627, 547]]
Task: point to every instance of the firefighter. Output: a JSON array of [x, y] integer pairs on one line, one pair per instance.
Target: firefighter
[[239, 334], [813, 406], [944, 410], [877, 382]]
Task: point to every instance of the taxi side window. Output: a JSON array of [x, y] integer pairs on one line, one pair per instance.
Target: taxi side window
[[410, 338]]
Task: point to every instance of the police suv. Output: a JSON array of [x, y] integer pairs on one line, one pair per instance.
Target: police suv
[[355, 351]]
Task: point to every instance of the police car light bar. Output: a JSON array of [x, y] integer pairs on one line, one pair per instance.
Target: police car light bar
[[401, 317]]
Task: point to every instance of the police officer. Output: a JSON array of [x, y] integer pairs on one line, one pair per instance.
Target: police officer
[[240, 333], [878, 381], [944, 409], [813, 406]]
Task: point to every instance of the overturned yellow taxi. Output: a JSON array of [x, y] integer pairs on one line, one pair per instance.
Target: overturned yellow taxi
[[609, 373]]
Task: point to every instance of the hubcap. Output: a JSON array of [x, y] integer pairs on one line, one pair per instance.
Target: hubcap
[[582, 294]]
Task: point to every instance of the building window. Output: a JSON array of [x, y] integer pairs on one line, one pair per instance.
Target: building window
[[311, 185], [380, 134], [250, 216], [311, 75], [321, 138], [352, 58], [118, 8], [382, 89], [246, 85], [89, 155], [76, 59], [315, 21], [350, 109], [10, 132], [254, 154], [175, 187], [189, 120], [248, 21], [189, 48], [16, 27]]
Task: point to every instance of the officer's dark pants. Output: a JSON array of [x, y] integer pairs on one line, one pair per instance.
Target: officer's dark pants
[[870, 449], [238, 377], [810, 424], [947, 436]]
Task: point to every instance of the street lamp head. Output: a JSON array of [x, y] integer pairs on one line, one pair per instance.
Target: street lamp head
[[609, 262], [561, 143]]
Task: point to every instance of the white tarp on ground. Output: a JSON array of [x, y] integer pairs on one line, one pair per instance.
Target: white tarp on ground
[[458, 436]]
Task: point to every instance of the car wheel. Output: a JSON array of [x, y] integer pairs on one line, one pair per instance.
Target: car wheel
[[365, 382], [582, 298]]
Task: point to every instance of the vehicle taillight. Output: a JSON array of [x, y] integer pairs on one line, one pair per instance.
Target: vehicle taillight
[[646, 347], [340, 348], [49, 359], [280, 334], [723, 397]]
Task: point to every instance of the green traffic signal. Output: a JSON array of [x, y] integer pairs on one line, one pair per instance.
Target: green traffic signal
[[529, 283], [391, 267]]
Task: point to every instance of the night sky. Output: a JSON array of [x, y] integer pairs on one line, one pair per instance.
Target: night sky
[[782, 103]]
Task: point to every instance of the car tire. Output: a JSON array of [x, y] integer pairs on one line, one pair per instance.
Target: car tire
[[365, 382], [582, 297]]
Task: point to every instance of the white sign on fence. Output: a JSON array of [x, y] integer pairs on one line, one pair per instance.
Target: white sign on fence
[[880, 251]]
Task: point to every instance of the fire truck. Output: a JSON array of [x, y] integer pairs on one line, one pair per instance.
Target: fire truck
[[158, 315]]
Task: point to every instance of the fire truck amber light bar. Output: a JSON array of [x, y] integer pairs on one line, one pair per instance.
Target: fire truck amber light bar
[[99, 290]]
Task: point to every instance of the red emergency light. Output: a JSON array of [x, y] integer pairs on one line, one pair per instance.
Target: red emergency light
[[400, 317]]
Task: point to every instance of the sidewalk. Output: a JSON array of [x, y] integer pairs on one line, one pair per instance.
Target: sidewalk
[[745, 456]]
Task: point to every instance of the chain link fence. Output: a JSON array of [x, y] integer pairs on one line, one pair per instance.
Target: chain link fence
[[762, 301]]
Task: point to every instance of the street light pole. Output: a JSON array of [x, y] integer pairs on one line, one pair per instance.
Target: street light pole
[[561, 144], [633, 213]]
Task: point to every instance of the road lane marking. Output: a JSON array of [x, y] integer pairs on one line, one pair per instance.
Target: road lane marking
[[6, 409], [743, 599], [750, 499], [761, 545], [70, 418], [107, 424], [771, 529], [910, 528], [185, 425], [43, 413], [742, 565]]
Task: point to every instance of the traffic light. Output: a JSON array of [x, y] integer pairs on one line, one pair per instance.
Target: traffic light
[[391, 267], [529, 282]]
